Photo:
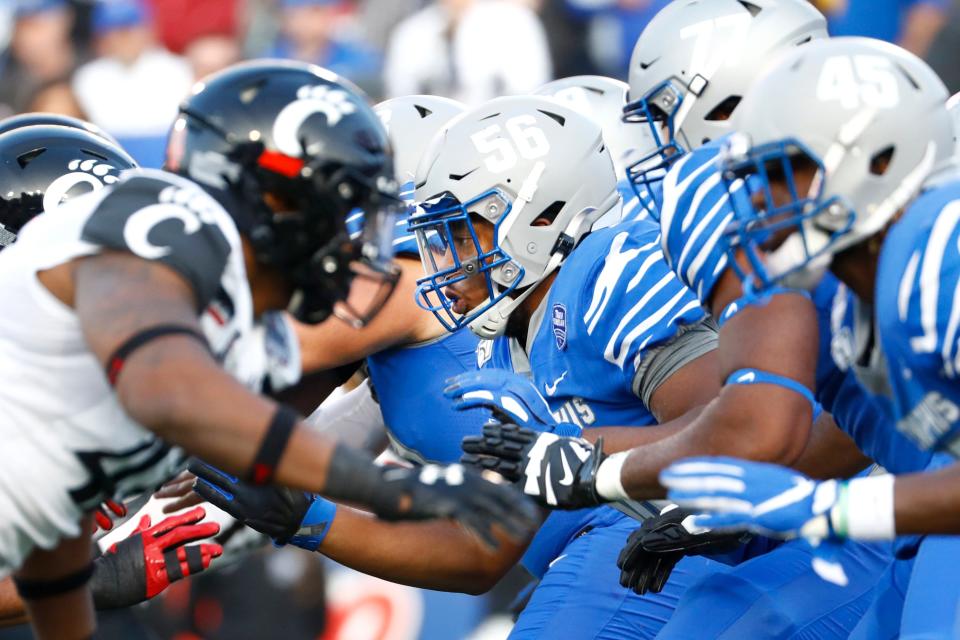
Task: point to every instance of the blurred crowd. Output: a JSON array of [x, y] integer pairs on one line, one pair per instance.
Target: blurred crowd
[[125, 64]]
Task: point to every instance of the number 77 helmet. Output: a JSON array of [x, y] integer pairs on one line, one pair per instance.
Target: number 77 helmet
[[508, 162], [694, 62], [868, 117]]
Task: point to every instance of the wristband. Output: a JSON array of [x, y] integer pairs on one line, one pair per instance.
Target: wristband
[[315, 524], [608, 484], [756, 376], [568, 429], [865, 510], [39, 589], [273, 445]]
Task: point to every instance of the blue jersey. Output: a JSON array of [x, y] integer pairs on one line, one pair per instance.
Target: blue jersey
[[847, 381], [694, 215], [613, 302], [408, 380], [918, 318]]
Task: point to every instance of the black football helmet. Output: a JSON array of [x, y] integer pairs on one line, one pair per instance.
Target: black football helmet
[[42, 166], [40, 117], [307, 142]]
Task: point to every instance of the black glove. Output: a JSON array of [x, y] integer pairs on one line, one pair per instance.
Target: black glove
[[456, 492], [272, 510], [558, 472], [153, 557], [653, 550]]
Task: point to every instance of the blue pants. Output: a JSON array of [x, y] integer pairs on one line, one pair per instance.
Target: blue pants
[[580, 597], [917, 599], [778, 595]]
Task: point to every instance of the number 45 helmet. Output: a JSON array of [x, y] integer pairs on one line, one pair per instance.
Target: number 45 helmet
[[509, 162], [869, 117], [306, 141]]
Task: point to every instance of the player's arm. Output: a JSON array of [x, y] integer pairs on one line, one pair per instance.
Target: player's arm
[[432, 555], [831, 453], [928, 502], [334, 343], [174, 387], [436, 555], [753, 421]]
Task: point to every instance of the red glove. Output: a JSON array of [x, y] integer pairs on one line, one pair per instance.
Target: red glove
[[152, 558], [104, 521]]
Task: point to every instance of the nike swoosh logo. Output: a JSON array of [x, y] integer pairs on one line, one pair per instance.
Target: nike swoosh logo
[[747, 377], [556, 560], [567, 478], [646, 65], [552, 388]]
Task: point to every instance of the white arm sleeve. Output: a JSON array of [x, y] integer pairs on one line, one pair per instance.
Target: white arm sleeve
[[353, 417]]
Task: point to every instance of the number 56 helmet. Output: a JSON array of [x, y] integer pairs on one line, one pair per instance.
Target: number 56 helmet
[[868, 117], [510, 162]]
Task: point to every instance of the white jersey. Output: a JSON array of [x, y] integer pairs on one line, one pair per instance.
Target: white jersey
[[67, 444]]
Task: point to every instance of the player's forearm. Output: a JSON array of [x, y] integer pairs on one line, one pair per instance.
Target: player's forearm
[[830, 453], [928, 502], [617, 439], [438, 555], [735, 424], [183, 396]]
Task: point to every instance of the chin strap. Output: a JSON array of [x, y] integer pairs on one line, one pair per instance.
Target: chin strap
[[493, 322]]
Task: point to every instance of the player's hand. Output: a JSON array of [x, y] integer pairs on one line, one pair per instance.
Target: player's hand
[[763, 498], [653, 550], [152, 558], [558, 472], [181, 489], [754, 496], [511, 398], [457, 492], [102, 515], [271, 510]]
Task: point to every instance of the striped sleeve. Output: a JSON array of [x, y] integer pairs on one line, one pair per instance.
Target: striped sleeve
[[636, 303]]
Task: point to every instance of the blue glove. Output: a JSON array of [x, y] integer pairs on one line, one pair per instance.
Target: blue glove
[[286, 515], [762, 498], [511, 398]]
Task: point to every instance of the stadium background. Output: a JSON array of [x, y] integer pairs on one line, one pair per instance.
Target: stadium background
[[125, 65]]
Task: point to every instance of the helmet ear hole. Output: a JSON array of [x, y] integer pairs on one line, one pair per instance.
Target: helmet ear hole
[[549, 214], [724, 110], [880, 161]]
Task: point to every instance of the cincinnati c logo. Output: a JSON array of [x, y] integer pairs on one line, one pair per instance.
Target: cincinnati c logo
[[332, 103]]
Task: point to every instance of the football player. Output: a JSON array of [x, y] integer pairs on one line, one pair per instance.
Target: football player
[[122, 302], [760, 421], [508, 195], [851, 190], [434, 555], [144, 558], [602, 99]]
